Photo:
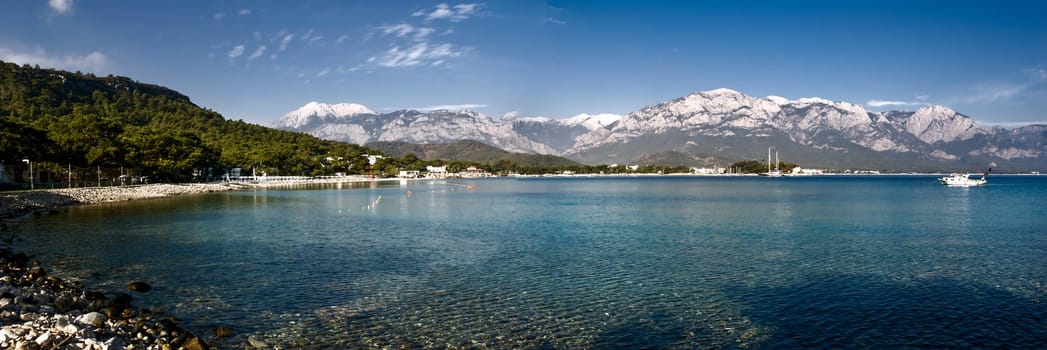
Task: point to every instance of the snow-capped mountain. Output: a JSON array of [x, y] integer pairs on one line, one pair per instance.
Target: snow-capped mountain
[[314, 112], [356, 124], [718, 126]]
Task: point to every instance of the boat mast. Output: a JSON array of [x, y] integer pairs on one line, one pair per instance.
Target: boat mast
[[769, 159]]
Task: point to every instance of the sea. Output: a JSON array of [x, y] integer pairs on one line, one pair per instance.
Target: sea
[[580, 262]]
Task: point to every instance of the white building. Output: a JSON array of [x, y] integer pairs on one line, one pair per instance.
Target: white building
[[436, 171], [707, 171], [802, 171]]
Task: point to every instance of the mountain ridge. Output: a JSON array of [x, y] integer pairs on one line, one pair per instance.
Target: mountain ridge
[[718, 126]]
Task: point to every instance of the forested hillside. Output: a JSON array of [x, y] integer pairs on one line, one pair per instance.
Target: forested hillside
[[80, 120]]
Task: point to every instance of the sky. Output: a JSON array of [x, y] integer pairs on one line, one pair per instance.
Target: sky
[[258, 60]]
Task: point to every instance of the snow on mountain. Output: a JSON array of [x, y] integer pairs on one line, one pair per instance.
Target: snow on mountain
[[940, 124], [319, 112], [591, 121], [778, 99], [705, 122]]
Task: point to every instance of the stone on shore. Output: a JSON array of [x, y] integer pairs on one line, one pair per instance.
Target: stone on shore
[[93, 319]]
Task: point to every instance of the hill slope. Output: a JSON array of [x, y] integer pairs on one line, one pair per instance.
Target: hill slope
[[57, 117]]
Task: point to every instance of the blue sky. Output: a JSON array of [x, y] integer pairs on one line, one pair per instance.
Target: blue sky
[[257, 60]]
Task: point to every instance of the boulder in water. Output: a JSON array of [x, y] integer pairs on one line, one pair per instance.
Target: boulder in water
[[138, 286]]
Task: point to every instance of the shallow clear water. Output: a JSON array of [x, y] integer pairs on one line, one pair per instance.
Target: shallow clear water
[[655, 262]]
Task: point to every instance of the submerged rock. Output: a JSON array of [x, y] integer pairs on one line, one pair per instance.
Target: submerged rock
[[138, 286], [223, 332]]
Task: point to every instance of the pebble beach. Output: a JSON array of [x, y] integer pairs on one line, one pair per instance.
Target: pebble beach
[[41, 311]]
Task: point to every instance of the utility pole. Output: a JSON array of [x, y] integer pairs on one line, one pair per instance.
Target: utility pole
[[32, 186]]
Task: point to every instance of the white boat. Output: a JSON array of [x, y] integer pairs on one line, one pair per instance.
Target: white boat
[[965, 180], [775, 172]]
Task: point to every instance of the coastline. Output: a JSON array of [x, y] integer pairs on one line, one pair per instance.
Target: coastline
[[40, 311], [16, 205]]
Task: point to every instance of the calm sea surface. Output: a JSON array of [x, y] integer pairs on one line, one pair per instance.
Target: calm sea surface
[[659, 262]]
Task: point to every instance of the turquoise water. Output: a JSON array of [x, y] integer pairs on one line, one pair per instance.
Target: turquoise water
[[654, 262]]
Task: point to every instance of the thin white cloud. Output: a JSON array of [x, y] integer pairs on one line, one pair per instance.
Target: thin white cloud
[[235, 52], [308, 35], [323, 72], [61, 6], [219, 16], [419, 54], [422, 33], [244, 12], [93, 62], [994, 92], [456, 13], [257, 53], [1011, 125], [286, 40], [258, 36], [551, 20], [341, 39], [315, 39], [404, 30], [883, 103], [448, 107], [1038, 73], [987, 93]]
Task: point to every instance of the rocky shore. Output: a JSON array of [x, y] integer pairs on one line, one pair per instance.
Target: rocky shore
[[16, 204], [39, 311]]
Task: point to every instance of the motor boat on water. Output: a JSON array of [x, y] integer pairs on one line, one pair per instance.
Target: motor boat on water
[[965, 180]]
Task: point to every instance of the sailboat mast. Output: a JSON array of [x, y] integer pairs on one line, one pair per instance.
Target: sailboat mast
[[768, 159]]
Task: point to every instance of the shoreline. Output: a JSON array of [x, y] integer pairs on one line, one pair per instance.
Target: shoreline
[[19, 204], [41, 311]]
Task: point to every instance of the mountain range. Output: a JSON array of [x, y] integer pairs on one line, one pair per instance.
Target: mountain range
[[715, 127]]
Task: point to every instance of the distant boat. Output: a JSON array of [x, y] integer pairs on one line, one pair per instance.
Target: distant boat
[[965, 180], [775, 172]]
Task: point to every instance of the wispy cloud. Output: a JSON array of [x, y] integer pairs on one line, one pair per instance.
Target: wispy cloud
[[219, 16], [244, 12], [285, 41], [323, 72], [1037, 73], [341, 39], [447, 107], [417, 55], [257, 53], [456, 13], [989, 93], [93, 62], [551, 20], [1034, 79], [235, 52], [61, 6], [404, 30], [1010, 125], [884, 103]]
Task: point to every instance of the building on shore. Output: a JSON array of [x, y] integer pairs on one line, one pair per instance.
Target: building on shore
[[409, 174], [802, 171]]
